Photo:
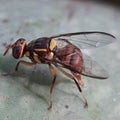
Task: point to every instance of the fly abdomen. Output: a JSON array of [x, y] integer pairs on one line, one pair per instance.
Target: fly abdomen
[[71, 56]]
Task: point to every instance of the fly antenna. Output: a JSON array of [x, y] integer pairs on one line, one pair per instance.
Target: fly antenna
[[10, 45], [7, 48]]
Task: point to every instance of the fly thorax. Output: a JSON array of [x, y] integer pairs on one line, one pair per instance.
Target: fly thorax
[[52, 44], [27, 54], [50, 56]]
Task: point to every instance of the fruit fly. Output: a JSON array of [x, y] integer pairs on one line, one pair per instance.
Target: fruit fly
[[64, 52]]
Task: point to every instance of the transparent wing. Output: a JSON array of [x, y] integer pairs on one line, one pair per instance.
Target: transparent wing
[[93, 69], [86, 40]]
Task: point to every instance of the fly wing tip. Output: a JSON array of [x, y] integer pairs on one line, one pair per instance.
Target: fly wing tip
[[114, 39]]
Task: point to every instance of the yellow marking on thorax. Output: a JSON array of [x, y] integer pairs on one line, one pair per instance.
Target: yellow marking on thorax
[[40, 50], [35, 56], [50, 56], [27, 54], [52, 44]]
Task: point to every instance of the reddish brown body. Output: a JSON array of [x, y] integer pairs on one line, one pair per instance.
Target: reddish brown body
[[71, 57], [63, 51]]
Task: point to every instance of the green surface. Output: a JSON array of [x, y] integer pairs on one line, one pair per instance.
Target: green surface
[[26, 96]]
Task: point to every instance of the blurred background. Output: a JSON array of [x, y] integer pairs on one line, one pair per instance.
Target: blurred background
[[26, 96]]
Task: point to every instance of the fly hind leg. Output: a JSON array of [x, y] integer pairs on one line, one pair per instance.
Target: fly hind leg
[[76, 82], [78, 78]]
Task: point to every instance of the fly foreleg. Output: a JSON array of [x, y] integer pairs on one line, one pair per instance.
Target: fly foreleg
[[17, 66], [24, 63]]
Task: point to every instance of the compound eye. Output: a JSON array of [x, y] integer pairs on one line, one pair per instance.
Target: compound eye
[[16, 51], [18, 48], [21, 40]]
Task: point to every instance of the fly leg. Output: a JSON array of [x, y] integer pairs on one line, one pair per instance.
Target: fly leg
[[78, 78], [17, 66], [80, 90], [76, 82], [24, 63], [52, 71]]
